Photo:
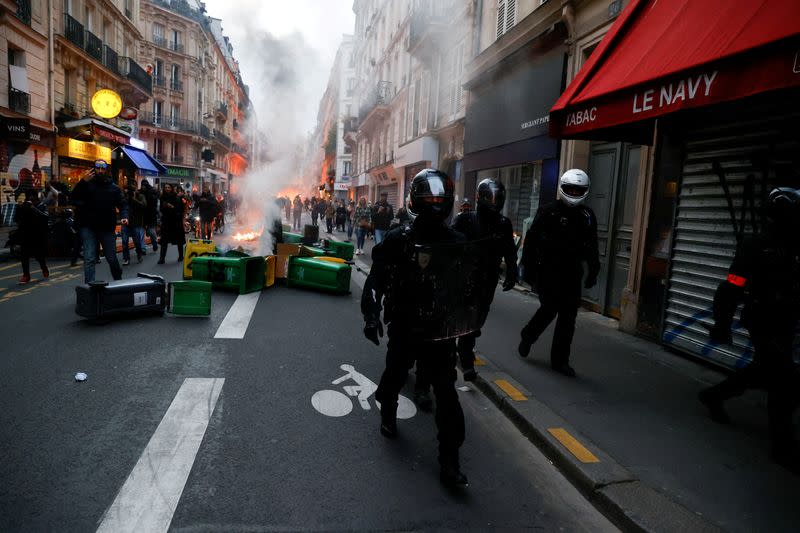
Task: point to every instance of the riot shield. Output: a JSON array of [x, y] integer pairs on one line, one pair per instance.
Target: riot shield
[[448, 288]]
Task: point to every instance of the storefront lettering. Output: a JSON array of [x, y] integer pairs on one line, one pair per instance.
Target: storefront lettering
[[581, 117], [536, 122], [672, 93]]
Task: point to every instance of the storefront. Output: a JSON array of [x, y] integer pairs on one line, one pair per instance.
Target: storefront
[[76, 159], [411, 158], [25, 156], [386, 180], [506, 129], [182, 176], [724, 122], [132, 165]]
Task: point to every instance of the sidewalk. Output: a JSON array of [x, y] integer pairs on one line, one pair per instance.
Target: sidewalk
[[663, 464]]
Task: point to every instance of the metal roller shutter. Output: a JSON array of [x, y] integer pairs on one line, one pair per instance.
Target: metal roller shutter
[[704, 240], [391, 192]]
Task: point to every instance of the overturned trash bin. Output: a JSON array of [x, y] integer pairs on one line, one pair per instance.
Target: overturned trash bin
[[241, 274], [292, 238], [101, 300], [314, 273], [189, 298], [339, 249], [195, 248], [310, 234]]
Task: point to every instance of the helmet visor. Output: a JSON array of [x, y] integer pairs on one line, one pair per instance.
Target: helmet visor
[[574, 191]]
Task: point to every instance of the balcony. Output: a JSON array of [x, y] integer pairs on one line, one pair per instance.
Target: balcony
[[175, 158], [111, 59], [159, 81], [176, 85], [160, 40], [73, 31], [222, 139], [24, 11], [130, 69], [427, 28], [176, 47], [94, 46], [19, 101], [376, 104], [168, 123], [221, 110], [241, 149], [205, 133]]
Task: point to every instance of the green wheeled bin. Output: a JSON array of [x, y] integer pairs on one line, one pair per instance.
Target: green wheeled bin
[[189, 298], [292, 238], [313, 273], [241, 274], [314, 251], [343, 250]]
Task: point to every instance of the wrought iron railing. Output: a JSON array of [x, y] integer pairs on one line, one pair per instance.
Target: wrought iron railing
[[380, 96], [160, 40], [205, 132], [111, 59], [159, 81], [176, 85], [24, 11], [131, 70], [73, 31], [94, 46], [19, 101], [176, 47], [223, 139]]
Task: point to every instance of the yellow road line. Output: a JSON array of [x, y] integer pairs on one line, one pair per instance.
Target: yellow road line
[[52, 269], [510, 390], [479, 361], [571, 443]]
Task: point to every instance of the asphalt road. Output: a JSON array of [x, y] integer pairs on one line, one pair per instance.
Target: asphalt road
[[248, 451]]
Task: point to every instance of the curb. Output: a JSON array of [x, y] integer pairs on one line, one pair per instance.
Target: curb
[[630, 504]]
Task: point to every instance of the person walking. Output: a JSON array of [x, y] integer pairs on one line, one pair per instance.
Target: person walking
[[137, 208], [287, 208], [207, 207], [330, 212], [363, 218], [341, 216], [393, 285], [150, 213], [764, 274], [563, 235], [171, 223], [98, 201], [351, 213], [297, 213], [314, 211], [382, 216], [31, 235]]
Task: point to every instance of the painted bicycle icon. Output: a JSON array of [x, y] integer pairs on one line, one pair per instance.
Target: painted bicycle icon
[[336, 403]]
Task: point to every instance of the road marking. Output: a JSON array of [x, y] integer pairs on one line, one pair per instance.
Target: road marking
[[234, 326], [337, 404], [571, 443], [147, 500], [512, 392], [52, 269], [479, 361]]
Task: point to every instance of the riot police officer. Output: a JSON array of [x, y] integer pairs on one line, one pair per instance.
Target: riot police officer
[[563, 235], [394, 285], [765, 274], [489, 225]]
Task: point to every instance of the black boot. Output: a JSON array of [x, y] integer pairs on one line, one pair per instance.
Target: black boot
[[524, 347], [563, 368], [388, 421], [450, 473]]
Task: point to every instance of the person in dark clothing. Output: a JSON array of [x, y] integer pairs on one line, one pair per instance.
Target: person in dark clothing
[[137, 209], [97, 201], [330, 212], [765, 274], [31, 234], [314, 212], [382, 215], [563, 235], [487, 223], [207, 207], [394, 286], [171, 223], [150, 214], [403, 217], [297, 213], [341, 216]]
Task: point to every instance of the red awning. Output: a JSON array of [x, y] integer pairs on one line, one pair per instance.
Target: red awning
[[661, 56]]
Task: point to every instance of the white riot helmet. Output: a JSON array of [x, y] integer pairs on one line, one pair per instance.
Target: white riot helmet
[[573, 187]]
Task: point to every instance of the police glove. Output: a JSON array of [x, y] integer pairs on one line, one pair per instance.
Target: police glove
[[720, 334], [590, 282], [373, 330]]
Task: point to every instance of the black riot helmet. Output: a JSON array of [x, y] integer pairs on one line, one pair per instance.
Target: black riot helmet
[[431, 195], [783, 207], [491, 195]]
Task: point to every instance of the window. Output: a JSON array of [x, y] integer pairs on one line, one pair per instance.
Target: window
[[174, 115], [129, 9], [175, 152], [506, 16], [68, 7], [176, 73], [158, 35], [70, 88], [351, 85], [158, 148], [176, 39], [158, 111], [456, 92], [347, 168], [108, 33], [89, 18], [18, 93]]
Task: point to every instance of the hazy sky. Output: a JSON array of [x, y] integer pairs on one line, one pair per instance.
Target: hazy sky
[[265, 33]]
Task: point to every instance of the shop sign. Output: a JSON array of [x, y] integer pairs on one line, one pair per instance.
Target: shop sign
[[106, 103], [128, 113], [178, 172], [109, 135], [341, 186], [20, 129], [74, 148]]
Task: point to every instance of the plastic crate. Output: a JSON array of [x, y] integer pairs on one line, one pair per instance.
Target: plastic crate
[[241, 274], [195, 248], [314, 273], [190, 298], [292, 238], [340, 249]]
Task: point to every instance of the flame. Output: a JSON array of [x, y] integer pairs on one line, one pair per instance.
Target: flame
[[246, 236]]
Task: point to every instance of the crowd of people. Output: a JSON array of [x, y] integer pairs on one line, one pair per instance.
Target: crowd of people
[[96, 205]]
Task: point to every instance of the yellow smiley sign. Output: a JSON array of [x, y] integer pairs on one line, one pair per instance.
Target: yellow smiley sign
[[106, 103]]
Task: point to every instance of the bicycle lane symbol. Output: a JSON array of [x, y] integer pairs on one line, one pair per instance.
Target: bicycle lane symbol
[[337, 404]]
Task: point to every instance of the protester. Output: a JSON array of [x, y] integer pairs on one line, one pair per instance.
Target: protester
[[207, 206], [151, 213], [97, 201], [171, 223], [297, 213], [287, 208], [382, 216], [351, 213], [341, 216], [363, 219], [137, 209], [403, 217], [31, 235], [330, 212]]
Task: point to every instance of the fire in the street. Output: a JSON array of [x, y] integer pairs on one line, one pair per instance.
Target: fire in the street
[[246, 236]]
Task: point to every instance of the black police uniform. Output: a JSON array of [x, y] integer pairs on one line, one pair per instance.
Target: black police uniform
[[560, 239], [391, 286], [765, 274], [496, 229]]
